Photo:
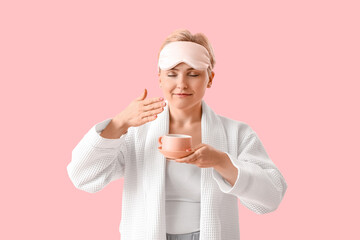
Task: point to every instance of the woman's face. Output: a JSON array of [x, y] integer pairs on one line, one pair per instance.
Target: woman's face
[[184, 79]]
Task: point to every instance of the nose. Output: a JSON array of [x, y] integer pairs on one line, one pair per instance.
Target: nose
[[181, 81]]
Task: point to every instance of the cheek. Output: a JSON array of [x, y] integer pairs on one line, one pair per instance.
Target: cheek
[[201, 84], [168, 84]]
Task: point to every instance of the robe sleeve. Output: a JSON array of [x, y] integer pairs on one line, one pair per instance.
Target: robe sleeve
[[96, 161], [259, 185]]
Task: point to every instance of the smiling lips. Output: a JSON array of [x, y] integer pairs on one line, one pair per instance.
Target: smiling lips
[[182, 94]]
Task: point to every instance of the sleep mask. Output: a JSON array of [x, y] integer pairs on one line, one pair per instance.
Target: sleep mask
[[193, 54]]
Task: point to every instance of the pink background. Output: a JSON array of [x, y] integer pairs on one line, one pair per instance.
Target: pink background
[[290, 69]]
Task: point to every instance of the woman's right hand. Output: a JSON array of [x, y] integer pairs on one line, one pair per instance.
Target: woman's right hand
[[140, 111]]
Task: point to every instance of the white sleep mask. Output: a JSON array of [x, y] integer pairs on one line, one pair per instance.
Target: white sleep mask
[[190, 53]]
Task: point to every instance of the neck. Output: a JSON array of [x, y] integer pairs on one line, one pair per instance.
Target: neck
[[185, 117]]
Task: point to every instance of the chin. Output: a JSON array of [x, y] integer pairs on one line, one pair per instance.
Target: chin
[[180, 103]]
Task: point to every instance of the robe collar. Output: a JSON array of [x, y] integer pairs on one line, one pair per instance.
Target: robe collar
[[213, 134]]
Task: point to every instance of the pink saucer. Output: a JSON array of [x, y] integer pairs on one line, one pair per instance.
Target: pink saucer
[[175, 154]]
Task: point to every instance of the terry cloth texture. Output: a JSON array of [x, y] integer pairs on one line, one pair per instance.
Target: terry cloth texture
[[97, 161]]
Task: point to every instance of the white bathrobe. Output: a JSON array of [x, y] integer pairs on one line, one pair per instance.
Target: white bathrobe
[[97, 161]]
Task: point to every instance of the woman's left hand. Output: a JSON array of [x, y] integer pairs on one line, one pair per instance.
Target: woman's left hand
[[204, 156]]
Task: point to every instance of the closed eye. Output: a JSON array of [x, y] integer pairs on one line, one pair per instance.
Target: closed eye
[[189, 75]]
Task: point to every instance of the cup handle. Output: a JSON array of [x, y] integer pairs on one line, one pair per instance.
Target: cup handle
[[160, 140]]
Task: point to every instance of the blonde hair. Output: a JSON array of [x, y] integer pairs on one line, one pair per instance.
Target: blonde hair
[[200, 38]]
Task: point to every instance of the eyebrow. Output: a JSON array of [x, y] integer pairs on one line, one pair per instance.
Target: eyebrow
[[186, 69]]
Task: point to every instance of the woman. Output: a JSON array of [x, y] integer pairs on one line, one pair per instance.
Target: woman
[[190, 198]]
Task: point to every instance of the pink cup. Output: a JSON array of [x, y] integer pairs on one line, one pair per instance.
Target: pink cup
[[175, 142]]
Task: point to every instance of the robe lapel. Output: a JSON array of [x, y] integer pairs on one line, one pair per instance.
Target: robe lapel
[[212, 133], [154, 178]]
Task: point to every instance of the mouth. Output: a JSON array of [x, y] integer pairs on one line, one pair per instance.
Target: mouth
[[182, 94]]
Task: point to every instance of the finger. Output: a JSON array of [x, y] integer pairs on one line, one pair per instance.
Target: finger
[[182, 160], [187, 158], [152, 100], [190, 160], [148, 119], [194, 159], [197, 147], [142, 96], [151, 113], [154, 106]]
